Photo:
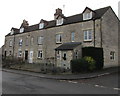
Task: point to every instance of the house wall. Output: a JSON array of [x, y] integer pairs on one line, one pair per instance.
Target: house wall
[[119, 43], [60, 62], [32, 46], [78, 49], [109, 26], [8, 48], [66, 36]]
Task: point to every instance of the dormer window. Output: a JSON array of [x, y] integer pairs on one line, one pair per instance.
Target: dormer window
[[87, 15], [59, 21], [41, 25], [21, 30], [12, 32]]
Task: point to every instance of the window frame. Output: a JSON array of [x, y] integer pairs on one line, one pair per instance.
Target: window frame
[[58, 38], [41, 25], [32, 41], [40, 40], [88, 35], [72, 36], [87, 15], [10, 43], [40, 54], [112, 55], [10, 53], [76, 54], [20, 42], [12, 32], [19, 53], [59, 21], [21, 30]]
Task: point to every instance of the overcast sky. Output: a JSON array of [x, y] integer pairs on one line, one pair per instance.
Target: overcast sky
[[14, 11]]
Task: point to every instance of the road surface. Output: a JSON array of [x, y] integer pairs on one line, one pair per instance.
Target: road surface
[[23, 84]]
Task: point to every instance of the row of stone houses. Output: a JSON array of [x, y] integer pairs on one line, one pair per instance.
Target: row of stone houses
[[62, 39]]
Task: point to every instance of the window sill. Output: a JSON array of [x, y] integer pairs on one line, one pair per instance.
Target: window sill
[[39, 58], [58, 42], [85, 19], [87, 41], [40, 44]]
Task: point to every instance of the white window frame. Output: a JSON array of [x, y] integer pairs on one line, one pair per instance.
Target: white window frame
[[10, 43], [87, 15], [19, 53], [32, 40], [112, 55], [88, 35], [40, 40], [59, 21], [76, 54], [73, 36], [21, 30], [10, 53], [41, 25], [20, 42], [40, 54], [58, 38], [12, 32]]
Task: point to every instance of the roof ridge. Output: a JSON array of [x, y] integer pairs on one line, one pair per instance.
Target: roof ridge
[[69, 19], [74, 15], [102, 8]]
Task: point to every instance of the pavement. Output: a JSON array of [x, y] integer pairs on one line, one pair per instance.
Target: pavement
[[102, 72]]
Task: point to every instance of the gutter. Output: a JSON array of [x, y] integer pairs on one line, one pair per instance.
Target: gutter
[[101, 32], [94, 31], [13, 45]]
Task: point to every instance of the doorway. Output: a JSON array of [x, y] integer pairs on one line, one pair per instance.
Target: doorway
[[5, 54], [31, 57], [26, 55]]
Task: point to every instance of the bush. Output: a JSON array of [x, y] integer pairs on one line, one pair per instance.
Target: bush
[[91, 63], [83, 65], [96, 54], [9, 61]]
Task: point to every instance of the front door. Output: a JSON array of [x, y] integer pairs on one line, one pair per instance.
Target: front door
[[31, 57], [5, 54], [26, 55], [64, 59]]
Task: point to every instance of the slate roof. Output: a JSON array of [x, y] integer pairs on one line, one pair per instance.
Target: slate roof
[[67, 20], [68, 46]]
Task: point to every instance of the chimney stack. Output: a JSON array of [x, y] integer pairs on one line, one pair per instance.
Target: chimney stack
[[24, 24], [58, 13]]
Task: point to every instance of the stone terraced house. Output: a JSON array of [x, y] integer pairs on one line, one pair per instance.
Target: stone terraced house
[[62, 39]]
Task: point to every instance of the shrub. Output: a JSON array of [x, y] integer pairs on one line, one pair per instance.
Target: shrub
[[83, 65], [96, 54], [91, 63], [9, 61]]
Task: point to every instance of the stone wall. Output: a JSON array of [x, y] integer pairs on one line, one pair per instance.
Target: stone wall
[[110, 37]]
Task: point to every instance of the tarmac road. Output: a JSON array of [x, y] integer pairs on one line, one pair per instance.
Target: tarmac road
[[13, 83]]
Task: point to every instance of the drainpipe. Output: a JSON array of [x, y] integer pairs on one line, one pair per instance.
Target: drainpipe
[[13, 45], [94, 31], [101, 32]]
